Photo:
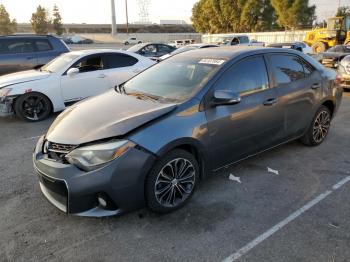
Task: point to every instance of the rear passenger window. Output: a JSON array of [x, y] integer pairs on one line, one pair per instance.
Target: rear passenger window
[[19, 46], [42, 45], [120, 60], [246, 77], [287, 68], [164, 48], [308, 69]]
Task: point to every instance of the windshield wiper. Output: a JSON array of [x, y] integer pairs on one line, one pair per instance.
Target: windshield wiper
[[44, 70], [144, 96], [120, 89]]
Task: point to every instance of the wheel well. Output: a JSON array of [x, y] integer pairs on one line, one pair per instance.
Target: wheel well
[[330, 105], [14, 101], [195, 152]]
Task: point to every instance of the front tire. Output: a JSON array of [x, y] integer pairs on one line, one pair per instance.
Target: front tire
[[172, 181], [319, 47], [126, 43], [33, 107], [319, 128]]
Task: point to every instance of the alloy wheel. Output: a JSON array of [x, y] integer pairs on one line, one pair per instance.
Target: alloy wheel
[[175, 182], [321, 126], [34, 107]]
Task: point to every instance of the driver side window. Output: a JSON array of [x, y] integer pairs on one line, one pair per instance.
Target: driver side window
[[89, 64], [246, 77], [149, 50]]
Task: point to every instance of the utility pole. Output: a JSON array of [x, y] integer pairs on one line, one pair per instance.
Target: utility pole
[[114, 23], [127, 16]]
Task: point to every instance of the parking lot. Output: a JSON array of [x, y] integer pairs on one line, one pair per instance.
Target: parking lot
[[301, 214]]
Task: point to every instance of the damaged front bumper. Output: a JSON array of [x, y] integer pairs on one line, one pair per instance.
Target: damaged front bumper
[[120, 183], [6, 106]]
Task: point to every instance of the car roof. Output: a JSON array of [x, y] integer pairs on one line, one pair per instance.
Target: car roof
[[201, 44], [99, 51], [25, 35], [229, 52]]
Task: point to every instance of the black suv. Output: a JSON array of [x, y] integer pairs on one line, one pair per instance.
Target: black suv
[[22, 52]]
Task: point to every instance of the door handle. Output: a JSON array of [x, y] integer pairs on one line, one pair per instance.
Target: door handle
[[270, 102], [101, 76], [316, 85]]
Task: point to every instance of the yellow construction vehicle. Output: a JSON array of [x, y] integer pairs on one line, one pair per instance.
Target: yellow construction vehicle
[[336, 33]]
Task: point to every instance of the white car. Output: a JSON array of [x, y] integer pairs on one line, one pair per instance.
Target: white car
[[71, 77], [132, 41]]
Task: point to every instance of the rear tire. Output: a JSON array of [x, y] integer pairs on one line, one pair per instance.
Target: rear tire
[[319, 47], [33, 107], [172, 181], [319, 128]]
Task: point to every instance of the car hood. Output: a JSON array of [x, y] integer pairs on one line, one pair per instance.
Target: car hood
[[104, 116], [22, 77]]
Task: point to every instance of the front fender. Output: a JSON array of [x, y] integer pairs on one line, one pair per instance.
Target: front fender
[[48, 87]]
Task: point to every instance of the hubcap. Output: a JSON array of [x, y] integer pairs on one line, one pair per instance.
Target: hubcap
[[175, 182], [33, 107], [321, 126]]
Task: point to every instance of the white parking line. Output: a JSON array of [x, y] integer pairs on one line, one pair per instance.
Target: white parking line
[[284, 222], [30, 138]]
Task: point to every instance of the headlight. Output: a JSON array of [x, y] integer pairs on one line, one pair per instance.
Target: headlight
[[5, 91], [93, 157]]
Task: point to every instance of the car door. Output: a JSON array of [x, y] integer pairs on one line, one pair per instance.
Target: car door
[[121, 67], [17, 54], [256, 123], [297, 85], [90, 81]]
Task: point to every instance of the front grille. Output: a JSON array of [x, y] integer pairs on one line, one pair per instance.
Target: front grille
[[60, 148], [57, 151]]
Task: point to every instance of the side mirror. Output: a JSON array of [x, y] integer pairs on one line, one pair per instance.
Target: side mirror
[[225, 97], [72, 72]]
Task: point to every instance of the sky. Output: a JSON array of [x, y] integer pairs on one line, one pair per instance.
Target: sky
[[98, 11]]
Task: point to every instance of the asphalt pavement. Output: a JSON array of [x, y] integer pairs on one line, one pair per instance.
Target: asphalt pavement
[[300, 214]]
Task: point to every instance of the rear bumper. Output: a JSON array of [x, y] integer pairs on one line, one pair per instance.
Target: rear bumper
[[73, 191]]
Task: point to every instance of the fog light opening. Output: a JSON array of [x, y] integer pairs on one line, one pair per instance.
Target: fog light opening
[[105, 202], [102, 202]]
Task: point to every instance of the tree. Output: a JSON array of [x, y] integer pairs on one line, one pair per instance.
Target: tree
[[57, 21], [40, 21], [6, 25], [343, 11], [294, 14], [217, 16], [258, 15]]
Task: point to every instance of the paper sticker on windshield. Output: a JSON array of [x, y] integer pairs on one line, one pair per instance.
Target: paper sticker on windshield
[[212, 61]]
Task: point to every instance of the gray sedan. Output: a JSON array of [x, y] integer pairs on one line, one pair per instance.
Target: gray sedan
[[153, 139]]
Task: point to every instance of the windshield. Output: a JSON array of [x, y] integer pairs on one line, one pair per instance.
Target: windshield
[[175, 79], [59, 63]]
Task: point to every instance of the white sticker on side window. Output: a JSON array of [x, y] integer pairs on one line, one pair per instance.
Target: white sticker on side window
[[211, 61]]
